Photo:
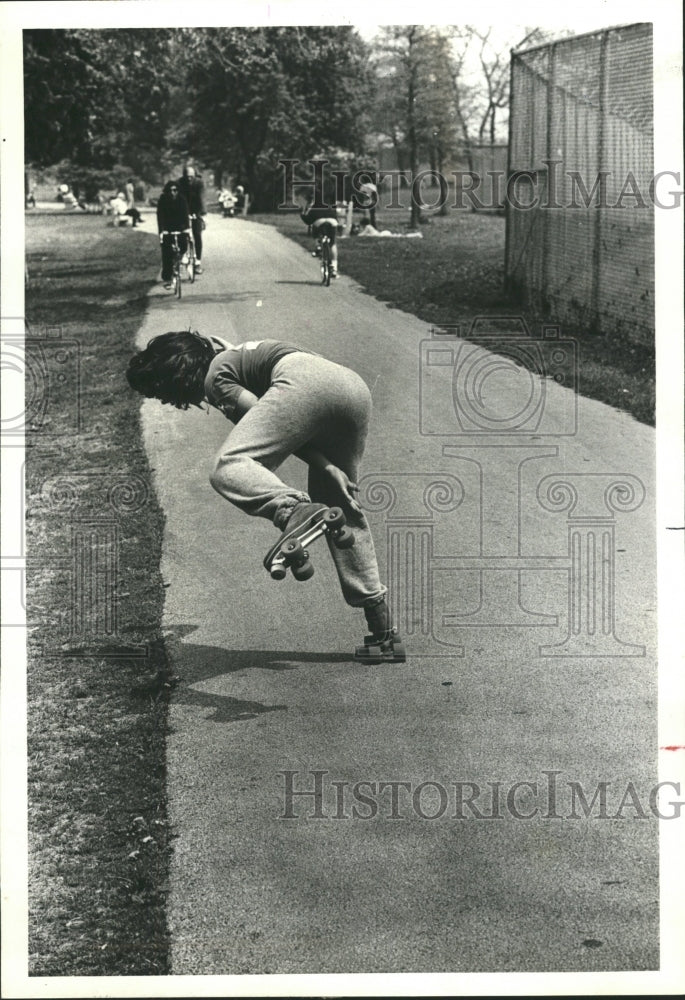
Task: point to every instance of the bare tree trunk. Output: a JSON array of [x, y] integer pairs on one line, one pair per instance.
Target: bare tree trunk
[[415, 219], [444, 188]]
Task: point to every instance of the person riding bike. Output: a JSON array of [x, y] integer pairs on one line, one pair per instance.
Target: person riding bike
[[172, 216], [323, 221], [192, 189]]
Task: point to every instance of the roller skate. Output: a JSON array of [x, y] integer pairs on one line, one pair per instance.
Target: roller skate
[[307, 522], [384, 643]]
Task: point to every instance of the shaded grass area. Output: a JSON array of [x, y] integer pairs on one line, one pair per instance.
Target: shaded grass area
[[454, 274], [97, 697]]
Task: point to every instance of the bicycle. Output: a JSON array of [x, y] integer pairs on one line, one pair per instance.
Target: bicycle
[[191, 262], [176, 262], [326, 260]]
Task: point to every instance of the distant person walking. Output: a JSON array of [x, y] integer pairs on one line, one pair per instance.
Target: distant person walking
[[191, 188], [130, 193]]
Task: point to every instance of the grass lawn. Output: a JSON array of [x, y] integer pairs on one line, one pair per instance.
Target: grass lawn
[[98, 837], [456, 272]]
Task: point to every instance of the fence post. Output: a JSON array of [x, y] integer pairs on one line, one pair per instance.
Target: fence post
[[549, 152], [507, 207], [601, 155]]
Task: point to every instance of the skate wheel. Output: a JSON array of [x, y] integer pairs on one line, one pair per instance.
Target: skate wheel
[[303, 572], [344, 538], [334, 518], [277, 572], [293, 552]]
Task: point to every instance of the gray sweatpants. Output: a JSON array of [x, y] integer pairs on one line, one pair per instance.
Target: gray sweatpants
[[311, 401]]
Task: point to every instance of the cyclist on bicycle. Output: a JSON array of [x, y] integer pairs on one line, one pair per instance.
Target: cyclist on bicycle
[[192, 189], [324, 222], [172, 217]]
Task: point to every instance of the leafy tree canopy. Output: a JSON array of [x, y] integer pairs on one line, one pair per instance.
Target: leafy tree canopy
[[96, 97], [260, 94]]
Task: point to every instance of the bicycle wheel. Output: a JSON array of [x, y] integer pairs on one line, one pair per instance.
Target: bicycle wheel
[[177, 281], [326, 263]]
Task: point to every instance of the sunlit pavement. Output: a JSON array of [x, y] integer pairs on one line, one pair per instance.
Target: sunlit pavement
[[522, 568]]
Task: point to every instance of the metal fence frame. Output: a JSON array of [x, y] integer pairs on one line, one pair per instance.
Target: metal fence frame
[[584, 104]]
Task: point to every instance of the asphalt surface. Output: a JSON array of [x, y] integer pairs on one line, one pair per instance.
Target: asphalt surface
[[492, 566]]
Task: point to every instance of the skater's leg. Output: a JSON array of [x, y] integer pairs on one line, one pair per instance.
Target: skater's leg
[[357, 567], [245, 468], [312, 401], [342, 439], [287, 417]]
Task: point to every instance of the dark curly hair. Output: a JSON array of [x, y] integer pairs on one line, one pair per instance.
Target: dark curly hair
[[172, 368]]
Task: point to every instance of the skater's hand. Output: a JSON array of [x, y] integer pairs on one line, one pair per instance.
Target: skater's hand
[[345, 485]]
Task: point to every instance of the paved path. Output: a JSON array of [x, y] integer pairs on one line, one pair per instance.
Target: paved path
[[462, 529]]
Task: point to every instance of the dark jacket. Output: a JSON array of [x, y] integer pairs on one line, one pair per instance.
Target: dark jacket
[[194, 193], [311, 215], [172, 215]]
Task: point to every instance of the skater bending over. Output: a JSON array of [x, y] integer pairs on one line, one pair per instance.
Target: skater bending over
[[283, 401]]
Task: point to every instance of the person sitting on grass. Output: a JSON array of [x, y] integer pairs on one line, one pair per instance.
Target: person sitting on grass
[[172, 217], [323, 221], [122, 213], [283, 400]]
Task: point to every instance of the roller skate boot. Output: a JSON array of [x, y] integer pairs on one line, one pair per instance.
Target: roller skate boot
[[307, 522], [384, 643]]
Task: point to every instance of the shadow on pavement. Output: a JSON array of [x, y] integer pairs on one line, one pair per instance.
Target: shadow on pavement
[[194, 294], [224, 709], [286, 282], [195, 663]]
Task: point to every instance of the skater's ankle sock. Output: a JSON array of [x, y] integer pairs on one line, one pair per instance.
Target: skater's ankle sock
[[378, 618]]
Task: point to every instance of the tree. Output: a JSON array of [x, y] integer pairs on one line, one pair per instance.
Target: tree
[[438, 130], [479, 71], [257, 95], [97, 98], [414, 106]]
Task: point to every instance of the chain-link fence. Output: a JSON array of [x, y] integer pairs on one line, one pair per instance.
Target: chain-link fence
[[489, 163], [581, 130]]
